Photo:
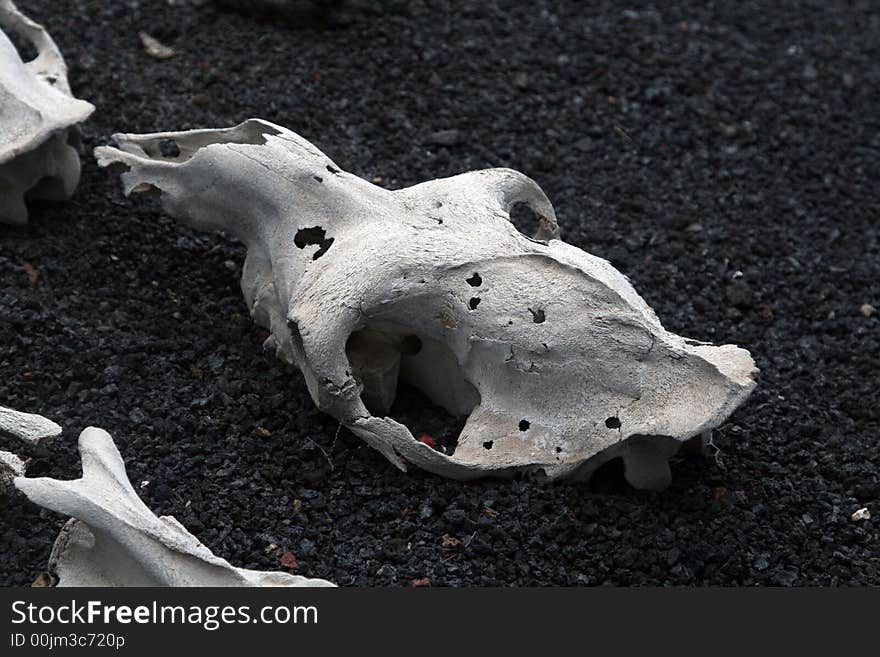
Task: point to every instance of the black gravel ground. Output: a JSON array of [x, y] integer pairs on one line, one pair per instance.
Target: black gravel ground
[[726, 156]]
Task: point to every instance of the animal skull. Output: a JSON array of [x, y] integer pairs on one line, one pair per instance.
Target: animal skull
[[113, 539], [38, 117], [556, 360]]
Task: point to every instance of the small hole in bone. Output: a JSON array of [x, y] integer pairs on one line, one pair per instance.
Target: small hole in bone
[[475, 280], [613, 422], [558, 450], [438, 204], [169, 148], [319, 179], [313, 236], [332, 169], [524, 425], [538, 316], [473, 303], [51, 79], [488, 444]]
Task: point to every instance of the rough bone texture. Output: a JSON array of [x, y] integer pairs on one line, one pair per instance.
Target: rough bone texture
[[38, 118], [10, 467], [30, 428], [558, 363], [113, 539]]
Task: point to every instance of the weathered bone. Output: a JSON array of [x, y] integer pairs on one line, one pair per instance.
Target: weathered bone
[[10, 467], [38, 117], [558, 362], [115, 540], [32, 429]]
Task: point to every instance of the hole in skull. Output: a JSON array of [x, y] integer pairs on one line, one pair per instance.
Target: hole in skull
[[415, 380], [524, 218], [613, 422], [538, 316], [332, 169], [558, 450], [475, 280], [27, 51], [313, 236], [419, 414], [319, 179], [488, 444], [473, 303], [524, 425], [169, 148]]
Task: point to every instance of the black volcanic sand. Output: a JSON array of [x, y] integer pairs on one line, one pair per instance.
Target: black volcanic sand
[[727, 160]]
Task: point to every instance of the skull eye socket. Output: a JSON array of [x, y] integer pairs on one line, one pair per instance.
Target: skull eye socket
[[27, 51]]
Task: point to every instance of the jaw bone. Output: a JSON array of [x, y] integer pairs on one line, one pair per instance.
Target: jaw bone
[[113, 539], [38, 117], [558, 363]]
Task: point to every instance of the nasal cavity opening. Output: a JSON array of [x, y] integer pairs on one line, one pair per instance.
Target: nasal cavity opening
[[414, 380]]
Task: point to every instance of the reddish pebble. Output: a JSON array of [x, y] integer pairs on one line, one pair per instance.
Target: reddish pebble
[[428, 440], [287, 560]]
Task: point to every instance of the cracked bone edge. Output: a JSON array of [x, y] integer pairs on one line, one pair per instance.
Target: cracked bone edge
[[114, 539], [557, 362], [38, 117]]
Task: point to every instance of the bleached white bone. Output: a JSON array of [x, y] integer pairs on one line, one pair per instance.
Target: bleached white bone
[[558, 363], [38, 118], [30, 428], [115, 540]]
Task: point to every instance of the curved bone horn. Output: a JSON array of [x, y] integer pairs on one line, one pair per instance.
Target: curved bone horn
[[49, 63]]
